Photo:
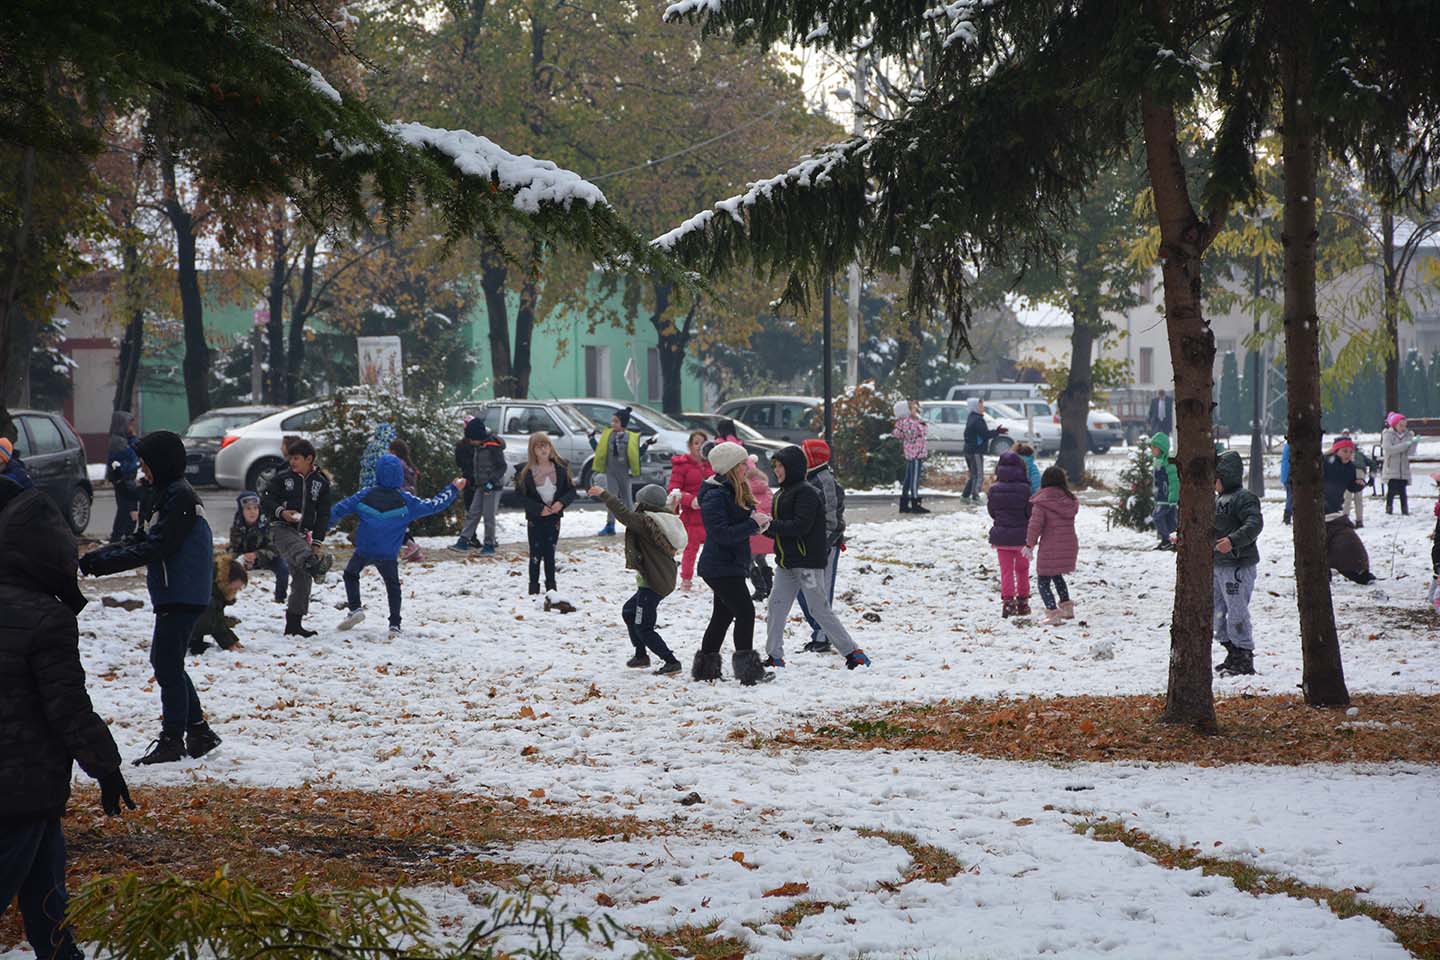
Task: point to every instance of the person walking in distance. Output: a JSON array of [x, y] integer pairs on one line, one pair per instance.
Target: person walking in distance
[[728, 508], [687, 472], [910, 430], [1397, 443], [122, 469], [801, 559], [298, 504], [47, 723], [176, 548], [1162, 413], [977, 440]]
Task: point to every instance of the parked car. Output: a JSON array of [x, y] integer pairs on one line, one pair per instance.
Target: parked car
[[778, 418], [751, 439], [249, 456], [947, 427], [55, 459], [1038, 418], [1106, 430], [206, 432], [663, 437]]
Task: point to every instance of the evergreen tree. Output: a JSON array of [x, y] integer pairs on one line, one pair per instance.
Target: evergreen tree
[[1229, 410], [1134, 503], [1414, 398]]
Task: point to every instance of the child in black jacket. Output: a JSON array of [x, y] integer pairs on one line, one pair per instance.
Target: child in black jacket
[[253, 544], [298, 504], [544, 484]]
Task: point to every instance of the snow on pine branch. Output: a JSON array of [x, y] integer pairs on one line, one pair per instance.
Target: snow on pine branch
[[960, 13], [535, 182], [316, 78], [686, 7], [812, 171]]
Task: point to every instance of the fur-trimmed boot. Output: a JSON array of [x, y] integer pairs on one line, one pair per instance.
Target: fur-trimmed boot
[[1053, 617], [706, 667], [1067, 609], [748, 668]]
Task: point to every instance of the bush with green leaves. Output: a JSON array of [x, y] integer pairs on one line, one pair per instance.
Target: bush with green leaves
[[863, 454], [127, 918], [1134, 501], [424, 421]]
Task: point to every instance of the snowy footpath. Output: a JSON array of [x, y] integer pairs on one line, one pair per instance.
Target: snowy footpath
[[486, 692]]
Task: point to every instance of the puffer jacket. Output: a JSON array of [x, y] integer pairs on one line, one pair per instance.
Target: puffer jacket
[[385, 510], [1166, 474], [1395, 449], [911, 432], [798, 526], [121, 462], [686, 475], [1340, 478], [1344, 550], [761, 545], [175, 543], [1052, 529], [1009, 502], [1237, 514], [728, 529], [47, 722], [308, 496], [488, 468], [248, 538], [824, 480], [652, 538]]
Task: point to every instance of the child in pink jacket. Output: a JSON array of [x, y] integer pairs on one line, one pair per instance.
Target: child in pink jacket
[[1051, 538], [761, 546], [911, 431]]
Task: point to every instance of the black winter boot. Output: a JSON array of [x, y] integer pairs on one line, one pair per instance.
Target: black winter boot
[[168, 749], [916, 507], [1007, 608], [1022, 606], [904, 504], [200, 740], [294, 628], [748, 669], [1229, 660], [1243, 664], [706, 667]]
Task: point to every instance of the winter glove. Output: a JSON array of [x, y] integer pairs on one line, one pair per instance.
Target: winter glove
[[85, 564], [112, 791], [844, 546], [1027, 553]]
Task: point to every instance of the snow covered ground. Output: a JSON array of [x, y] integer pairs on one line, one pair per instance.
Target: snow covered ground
[[487, 692]]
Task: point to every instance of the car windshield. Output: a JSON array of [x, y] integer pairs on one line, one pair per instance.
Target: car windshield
[[999, 409], [579, 420], [213, 426], [657, 419]]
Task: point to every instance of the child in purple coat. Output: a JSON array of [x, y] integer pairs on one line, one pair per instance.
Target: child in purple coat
[[1009, 506]]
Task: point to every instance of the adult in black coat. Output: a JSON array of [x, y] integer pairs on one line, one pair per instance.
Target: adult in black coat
[[46, 720], [1162, 413]]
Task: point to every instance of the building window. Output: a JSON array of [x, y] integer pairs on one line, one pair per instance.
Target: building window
[[1147, 364], [654, 379], [597, 371]]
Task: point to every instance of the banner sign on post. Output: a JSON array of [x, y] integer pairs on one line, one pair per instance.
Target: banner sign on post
[[381, 363]]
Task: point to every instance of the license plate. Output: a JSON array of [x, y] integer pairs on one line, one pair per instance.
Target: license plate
[[192, 468]]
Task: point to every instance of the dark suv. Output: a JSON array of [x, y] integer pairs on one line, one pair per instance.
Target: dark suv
[[55, 459]]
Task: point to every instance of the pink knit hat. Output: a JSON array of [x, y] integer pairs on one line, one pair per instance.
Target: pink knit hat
[[1393, 418]]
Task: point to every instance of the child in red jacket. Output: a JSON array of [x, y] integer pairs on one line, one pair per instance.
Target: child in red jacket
[[687, 472]]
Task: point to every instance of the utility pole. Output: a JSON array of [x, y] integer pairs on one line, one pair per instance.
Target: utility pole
[[1257, 394], [852, 341], [828, 364]]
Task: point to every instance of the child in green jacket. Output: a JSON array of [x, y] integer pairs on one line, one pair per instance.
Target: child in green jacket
[[653, 535]]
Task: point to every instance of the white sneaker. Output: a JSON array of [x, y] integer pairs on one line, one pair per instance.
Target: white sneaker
[[394, 633], [351, 619]]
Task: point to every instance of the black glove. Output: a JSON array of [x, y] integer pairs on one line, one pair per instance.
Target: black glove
[[84, 564], [112, 791]]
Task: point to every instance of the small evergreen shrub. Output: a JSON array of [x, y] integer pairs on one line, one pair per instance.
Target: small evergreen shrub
[[863, 453], [1135, 494]]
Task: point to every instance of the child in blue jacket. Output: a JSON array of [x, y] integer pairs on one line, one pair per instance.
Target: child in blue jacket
[[386, 512]]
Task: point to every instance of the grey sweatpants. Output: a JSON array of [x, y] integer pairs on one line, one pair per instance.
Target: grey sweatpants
[[485, 503], [812, 585], [294, 549], [1233, 586], [617, 481], [1356, 499]]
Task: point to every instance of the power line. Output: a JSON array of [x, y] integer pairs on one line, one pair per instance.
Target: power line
[[693, 147]]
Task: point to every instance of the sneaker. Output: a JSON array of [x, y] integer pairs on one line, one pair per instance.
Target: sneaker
[[639, 660], [168, 749], [818, 646], [606, 531], [772, 662], [856, 658], [200, 740], [279, 599], [668, 667], [461, 545], [487, 550], [394, 632], [353, 618]]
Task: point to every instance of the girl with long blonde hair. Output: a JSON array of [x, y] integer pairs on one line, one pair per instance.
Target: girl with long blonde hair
[[544, 484]]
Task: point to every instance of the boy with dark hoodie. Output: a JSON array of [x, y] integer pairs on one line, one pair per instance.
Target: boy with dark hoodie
[[46, 720], [802, 556], [251, 541], [822, 478], [386, 512], [230, 579], [653, 535], [177, 551], [297, 502], [122, 467], [481, 456], [1166, 479], [1238, 522]]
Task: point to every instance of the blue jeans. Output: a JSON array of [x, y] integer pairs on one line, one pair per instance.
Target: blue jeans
[[830, 571], [389, 569], [911, 485], [1289, 501], [32, 867], [179, 705], [1166, 516], [281, 569], [639, 613]]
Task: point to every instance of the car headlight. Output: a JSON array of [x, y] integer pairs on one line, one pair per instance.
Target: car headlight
[[657, 457]]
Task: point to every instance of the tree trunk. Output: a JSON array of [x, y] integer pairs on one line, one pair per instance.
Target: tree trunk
[[1189, 698], [672, 343], [1075, 401], [276, 383], [1392, 314], [299, 314], [132, 344], [1323, 681], [196, 365], [17, 328], [525, 313], [493, 271]]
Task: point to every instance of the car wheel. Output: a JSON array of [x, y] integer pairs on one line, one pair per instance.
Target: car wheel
[[78, 513], [1099, 449], [1000, 445], [587, 475], [262, 473]]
